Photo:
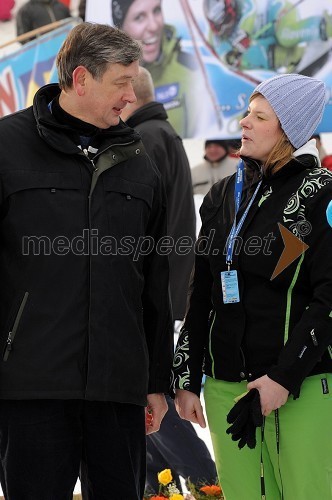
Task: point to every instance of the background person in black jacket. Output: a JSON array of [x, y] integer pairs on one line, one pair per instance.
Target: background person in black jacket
[[85, 319], [166, 149], [259, 317], [37, 13], [176, 444]]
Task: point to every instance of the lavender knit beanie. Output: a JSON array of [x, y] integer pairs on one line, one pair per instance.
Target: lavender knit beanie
[[298, 101]]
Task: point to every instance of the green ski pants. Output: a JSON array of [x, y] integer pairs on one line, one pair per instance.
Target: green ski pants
[[302, 470]]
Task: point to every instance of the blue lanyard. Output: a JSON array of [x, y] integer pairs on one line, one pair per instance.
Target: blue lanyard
[[237, 195]]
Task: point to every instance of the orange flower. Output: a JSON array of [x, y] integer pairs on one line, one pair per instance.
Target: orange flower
[[212, 490], [158, 497]]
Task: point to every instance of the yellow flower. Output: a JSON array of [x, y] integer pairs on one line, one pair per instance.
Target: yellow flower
[[165, 477], [177, 496]]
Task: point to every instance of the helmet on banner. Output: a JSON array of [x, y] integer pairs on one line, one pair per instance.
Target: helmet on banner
[[221, 15]]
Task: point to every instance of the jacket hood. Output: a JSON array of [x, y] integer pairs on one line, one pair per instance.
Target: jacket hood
[[309, 148], [151, 111]]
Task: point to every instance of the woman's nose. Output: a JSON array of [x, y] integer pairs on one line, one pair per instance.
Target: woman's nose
[[245, 122], [152, 24]]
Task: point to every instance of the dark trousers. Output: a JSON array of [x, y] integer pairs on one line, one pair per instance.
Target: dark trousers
[[46, 444], [176, 446]]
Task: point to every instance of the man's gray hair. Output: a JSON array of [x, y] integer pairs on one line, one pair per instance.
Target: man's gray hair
[[94, 46]]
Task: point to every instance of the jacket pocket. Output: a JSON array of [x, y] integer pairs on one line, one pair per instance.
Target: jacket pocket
[[22, 180], [128, 206], [11, 335]]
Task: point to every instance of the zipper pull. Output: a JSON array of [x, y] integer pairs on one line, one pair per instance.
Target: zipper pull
[[8, 347], [9, 342], [313, 337], [94, 168]]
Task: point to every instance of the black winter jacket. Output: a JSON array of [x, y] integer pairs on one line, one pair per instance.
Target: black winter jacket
[[166, 149], [281, 327], [83, 313]]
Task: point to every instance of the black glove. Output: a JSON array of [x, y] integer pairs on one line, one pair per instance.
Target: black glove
[[245, 417]]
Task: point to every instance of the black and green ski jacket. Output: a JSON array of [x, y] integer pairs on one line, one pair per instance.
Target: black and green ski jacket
[[282, 325]]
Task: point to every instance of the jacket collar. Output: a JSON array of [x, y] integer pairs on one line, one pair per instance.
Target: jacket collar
[[305, 157], [60, 135], [151, 111]]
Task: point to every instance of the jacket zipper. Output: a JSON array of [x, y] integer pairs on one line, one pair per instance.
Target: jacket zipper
[[212, 313], [94, 171], [103, 150], [12, 333], [243, 359]]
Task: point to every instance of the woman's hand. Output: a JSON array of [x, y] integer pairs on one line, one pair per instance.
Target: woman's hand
[[272, 394], [188, 406]]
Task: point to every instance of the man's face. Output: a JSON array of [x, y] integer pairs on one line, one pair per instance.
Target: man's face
[[144, 21], [104, 99], [214, 152]]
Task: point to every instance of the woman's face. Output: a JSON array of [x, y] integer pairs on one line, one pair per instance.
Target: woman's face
[[260, 130], [144, 21]]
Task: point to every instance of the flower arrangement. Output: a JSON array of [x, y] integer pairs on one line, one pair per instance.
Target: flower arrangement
[[168, 489], [206, 492]]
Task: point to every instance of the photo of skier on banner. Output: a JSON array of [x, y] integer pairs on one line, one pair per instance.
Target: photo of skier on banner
[[175, 71], [267, 34]]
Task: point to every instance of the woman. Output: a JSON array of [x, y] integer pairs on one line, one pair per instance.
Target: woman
[[259, 315], [175, 73]]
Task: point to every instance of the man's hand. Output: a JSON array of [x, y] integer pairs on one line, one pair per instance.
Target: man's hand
[[272, 394], [189, 407], [155, 412]]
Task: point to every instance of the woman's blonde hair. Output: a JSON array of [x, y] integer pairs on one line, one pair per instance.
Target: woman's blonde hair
[[280, 154]]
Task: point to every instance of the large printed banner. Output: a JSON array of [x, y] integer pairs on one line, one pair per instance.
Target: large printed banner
[[22, 72], [206, 56]]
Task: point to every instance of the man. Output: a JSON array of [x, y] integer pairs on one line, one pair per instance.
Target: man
[[85, 318], [176, 445], [218, 163], [165, 147]]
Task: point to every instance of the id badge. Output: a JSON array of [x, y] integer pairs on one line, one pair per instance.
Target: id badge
[[230, 287]]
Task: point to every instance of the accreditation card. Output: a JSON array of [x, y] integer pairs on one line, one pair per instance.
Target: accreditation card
[[230, 286]]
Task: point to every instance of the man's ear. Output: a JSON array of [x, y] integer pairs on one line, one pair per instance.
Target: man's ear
[[80, 75]]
